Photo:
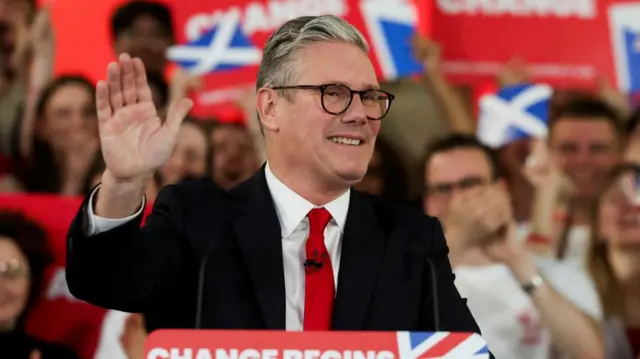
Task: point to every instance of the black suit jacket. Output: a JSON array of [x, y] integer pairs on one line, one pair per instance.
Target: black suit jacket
[[384, 281]]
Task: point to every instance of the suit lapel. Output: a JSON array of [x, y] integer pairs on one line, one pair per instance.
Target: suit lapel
[[258, 231], [362, 251]]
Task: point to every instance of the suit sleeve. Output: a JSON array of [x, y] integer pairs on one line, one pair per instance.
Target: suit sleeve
[[454, 313], [124, 266]]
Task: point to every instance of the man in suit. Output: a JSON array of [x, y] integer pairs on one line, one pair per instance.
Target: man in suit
[[294, 247]]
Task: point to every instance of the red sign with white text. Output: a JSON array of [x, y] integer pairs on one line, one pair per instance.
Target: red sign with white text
[[271, 344], [565, 43], [228, 57]]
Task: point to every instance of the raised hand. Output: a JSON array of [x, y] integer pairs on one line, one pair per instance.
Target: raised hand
[[135, 141], [35, 354], [427, 51]]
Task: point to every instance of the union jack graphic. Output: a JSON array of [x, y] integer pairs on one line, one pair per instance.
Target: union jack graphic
[[390, 24], [625, 38], [441, 345]]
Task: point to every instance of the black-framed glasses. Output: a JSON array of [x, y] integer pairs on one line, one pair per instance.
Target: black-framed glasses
[[336, 99]]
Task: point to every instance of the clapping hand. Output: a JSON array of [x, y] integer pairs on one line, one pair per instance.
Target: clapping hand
[[135, 141], [478, 214]]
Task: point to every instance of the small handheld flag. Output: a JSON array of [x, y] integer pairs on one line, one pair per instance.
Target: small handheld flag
[[514, 113]]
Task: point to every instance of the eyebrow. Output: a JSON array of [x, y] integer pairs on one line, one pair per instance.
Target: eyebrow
[[364, 87]]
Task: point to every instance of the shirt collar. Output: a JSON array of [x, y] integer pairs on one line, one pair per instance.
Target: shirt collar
[[292, 208]]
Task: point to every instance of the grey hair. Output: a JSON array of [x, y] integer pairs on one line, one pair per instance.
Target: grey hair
[[278, 59]]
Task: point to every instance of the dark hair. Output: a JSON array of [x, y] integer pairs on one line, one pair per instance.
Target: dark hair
[[156, 79], [632, 122], [587, 108], [395, 178], [124, 16], [31, 239], [40, 173], [461, 141]]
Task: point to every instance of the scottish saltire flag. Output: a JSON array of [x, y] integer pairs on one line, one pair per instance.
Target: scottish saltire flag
[[391, 24], [441, 345], [514, 113], [624, 26], [221, 48]]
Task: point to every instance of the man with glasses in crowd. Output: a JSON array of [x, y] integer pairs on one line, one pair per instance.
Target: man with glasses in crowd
[[292, 248], [524, 305]]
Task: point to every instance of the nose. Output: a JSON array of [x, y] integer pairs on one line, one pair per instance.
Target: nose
[[356, 113]]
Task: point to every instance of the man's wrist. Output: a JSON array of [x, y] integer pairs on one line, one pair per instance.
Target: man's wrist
[[119, 198]]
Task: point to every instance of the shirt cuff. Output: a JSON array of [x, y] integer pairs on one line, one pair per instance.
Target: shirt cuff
[[99, 224]]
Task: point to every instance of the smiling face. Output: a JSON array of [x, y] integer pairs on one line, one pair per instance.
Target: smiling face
[[585, 150], [318, 146], [619, 214], [14, 282]]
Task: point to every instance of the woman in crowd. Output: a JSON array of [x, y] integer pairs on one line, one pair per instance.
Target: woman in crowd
[[614, 260], [65, 141], [190, 158], [24, 255]]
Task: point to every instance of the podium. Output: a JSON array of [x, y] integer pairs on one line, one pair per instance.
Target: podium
[[265, 344]]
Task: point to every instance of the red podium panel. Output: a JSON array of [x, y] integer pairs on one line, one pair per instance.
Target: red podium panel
[[219, 344]]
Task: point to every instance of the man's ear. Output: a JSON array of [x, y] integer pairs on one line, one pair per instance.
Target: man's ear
[[267, 104]]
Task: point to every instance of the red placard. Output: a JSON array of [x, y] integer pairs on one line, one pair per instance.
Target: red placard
[[259, 19], [566, 43], [219, 344]]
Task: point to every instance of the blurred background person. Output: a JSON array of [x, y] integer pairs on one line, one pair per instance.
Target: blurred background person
[[614, 260], [143, 29], [64, 141], [191, 156], [24, 256], [233, 155], [524, 308]]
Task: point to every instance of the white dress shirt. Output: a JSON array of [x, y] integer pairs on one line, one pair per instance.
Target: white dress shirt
[[292, 212]]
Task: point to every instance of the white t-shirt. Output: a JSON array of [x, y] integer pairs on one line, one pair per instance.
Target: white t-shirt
[[509, 321]]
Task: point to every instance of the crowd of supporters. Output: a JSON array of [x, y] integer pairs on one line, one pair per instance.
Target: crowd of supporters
[[567, 203]]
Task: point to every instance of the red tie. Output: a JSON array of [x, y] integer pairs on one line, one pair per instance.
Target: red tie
[[319, 291]]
